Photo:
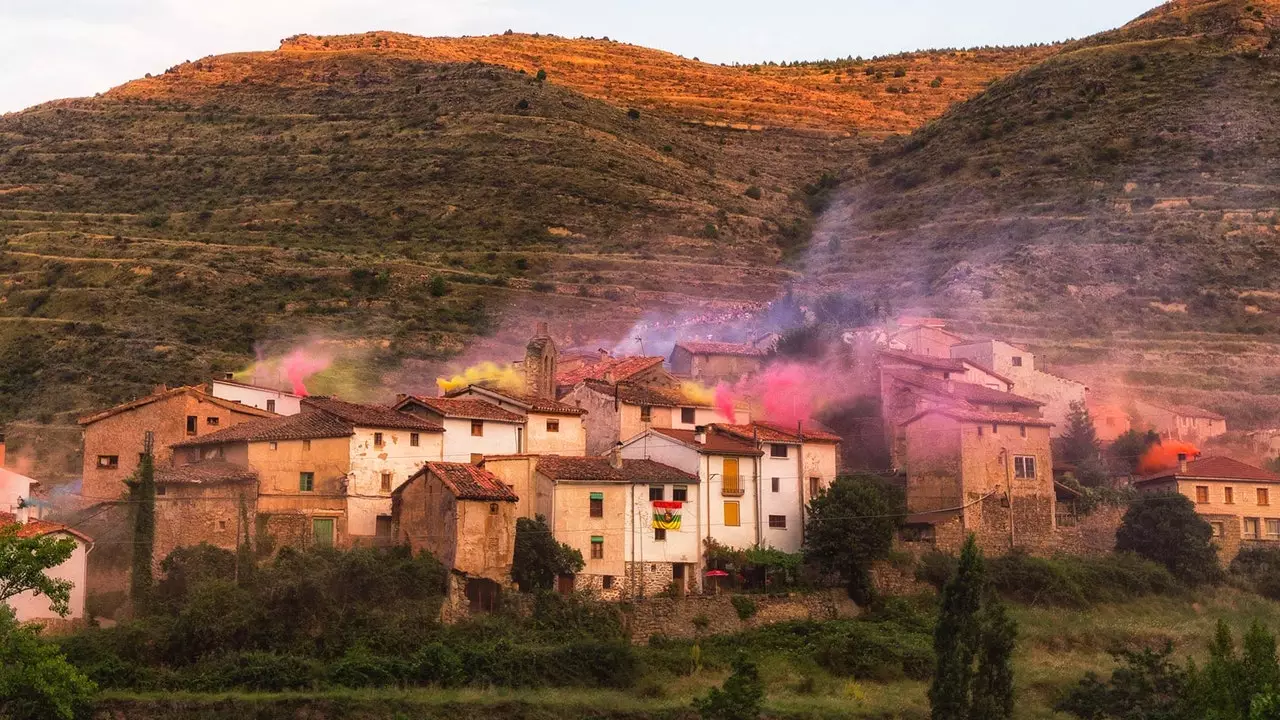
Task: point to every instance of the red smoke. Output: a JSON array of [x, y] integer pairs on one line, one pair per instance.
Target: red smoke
[[725, 402], [1164, 456], [299, 365], [787, 393]]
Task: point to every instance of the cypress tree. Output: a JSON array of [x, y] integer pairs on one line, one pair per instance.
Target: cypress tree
[[993, 686], [142, 497], [955, 640]]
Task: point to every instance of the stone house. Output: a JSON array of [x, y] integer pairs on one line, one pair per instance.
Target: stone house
[[465, 517], [641, 371], [618, 411], [1234, 497], [551, 427], [211, 502], [29, 606], [926, 339], [1109, 420], [636, 523], [473, 428], [15, 492], [114, 438], [989, 473], [713, 362], [1180, 422], [263, 398], [1019, 365]]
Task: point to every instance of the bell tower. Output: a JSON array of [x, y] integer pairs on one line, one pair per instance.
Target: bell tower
[[540, 357]]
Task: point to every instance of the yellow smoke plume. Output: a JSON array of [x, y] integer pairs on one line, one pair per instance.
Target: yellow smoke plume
[[698, 392], [502, 377]]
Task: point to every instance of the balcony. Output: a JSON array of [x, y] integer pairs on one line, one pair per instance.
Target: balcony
[[733, 489]]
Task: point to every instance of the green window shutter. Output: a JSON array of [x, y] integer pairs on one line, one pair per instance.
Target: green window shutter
[[597, 538], [597, 496]]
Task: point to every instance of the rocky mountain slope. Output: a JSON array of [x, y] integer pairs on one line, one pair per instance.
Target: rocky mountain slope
[[1116, 205]]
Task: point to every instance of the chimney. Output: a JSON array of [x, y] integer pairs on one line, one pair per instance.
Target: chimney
[[228, 376], [2, 450], [541, 330], [700, 434], [615, 457], [161, 388], [1182, 463]]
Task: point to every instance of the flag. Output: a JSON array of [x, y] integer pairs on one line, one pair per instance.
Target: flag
[[666, 515]]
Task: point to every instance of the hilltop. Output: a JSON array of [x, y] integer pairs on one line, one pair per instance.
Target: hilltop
[[1115, 205]]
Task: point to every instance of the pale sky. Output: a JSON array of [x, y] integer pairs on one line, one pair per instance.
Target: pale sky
[[52, 49]]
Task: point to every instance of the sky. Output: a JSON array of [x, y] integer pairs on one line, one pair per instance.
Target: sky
[[52, 49]]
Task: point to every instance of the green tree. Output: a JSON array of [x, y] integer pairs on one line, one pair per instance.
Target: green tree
[[142, 498], [1165, 528], [438, 287], [539, 558], [850, 526], [1230, 685], [740, 698], [973, 643], [1127, 450], [23, 561], [1079, 446], [1146, 684], [36, 681], [542, 75]]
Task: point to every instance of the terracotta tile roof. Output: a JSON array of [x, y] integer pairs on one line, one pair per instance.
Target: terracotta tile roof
[[634, 394], [611, 369], [766, 431], [307, 425], [1217, 468], [37, 528], [469, 408], [186, 390], [928, 361], [531, 403], [968, 392], [722, 348], [375, 416], [975, 416], [716, 443], [206, 473], [983, 368], [599, 469], [469, 482]]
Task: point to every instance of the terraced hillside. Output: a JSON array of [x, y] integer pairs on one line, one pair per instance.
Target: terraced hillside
[[1117, 205]]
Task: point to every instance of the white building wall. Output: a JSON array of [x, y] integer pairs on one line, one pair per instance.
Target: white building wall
[[743, 535], [788, 501], [702, 416], [500, 438], [30, 606], [366, 499], [682, 546], [570, 440], [285, 403], [1057, 393], [14, 487]]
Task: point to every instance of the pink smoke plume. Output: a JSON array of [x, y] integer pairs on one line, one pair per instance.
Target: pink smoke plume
[[299, 365], [725, 401], [784, 393]]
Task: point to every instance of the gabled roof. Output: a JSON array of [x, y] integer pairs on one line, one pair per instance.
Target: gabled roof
[[766, 431], [925, 361], [721, 348], [364, 415], [634, 394], [467, 408], [172, 393], [11, 476], [599, 469], [250, 386], [1216, 468], [984, 369], [306, 425], [39, 528], [609, 368], [531, 403], [468, 482], [968, 392], [975, 416], [716, 443], [1186, 410], [205, 473]]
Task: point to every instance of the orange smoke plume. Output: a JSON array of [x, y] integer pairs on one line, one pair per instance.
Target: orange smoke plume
[[1165, 456]]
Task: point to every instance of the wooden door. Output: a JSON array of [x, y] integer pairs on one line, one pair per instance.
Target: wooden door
[[564, 584], [322, 531]]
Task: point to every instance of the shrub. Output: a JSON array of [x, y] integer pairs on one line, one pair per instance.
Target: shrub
[[745, 607], [1165, 528], [438, 286], [255, 671], [634, 114], [1259, 569], [36, 681], [359, 668], [437, 664], [753, 192]]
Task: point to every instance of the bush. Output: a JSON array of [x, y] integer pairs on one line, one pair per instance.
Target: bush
[[634, 114], [753, 192], [1259, 570], [1063, 580], [438, 664], [1166, 528], [36, 681], [254, 671], [359, 668], [745, 606]]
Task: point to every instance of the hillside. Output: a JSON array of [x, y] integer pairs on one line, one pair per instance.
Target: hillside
[[1115, 206]]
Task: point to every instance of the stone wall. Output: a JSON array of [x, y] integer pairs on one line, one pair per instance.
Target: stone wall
[[890, 579], [189, 513], [1092, 534], [673, 617]]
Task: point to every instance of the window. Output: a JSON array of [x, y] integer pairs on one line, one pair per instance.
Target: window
[[211, 421], [477, 428], [646, 414], [222, 524], [688, 416], [597, 504], [657, 492], [680, 493], [597, 547], [1273, 529], [1228, 495], [1202, 494], [777, 450], [1218, 529], [493, 510], [606, 582], [778, 521], [273, 445], [995, 429], [386, 482], [659, 535], [815, 486], [306, 444], [1024, 467], [306, 481], [161, 489], [377, 439], [1022, 430], [1017, 361], [553, 426], [415, 439], [1251, 528], [731, 516], [271, 406], [732, 481], [773, 484], [1264, 497], [191, 424], [108, 462]]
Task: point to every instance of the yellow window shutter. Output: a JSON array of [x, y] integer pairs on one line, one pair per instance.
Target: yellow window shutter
[[731, 518]]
